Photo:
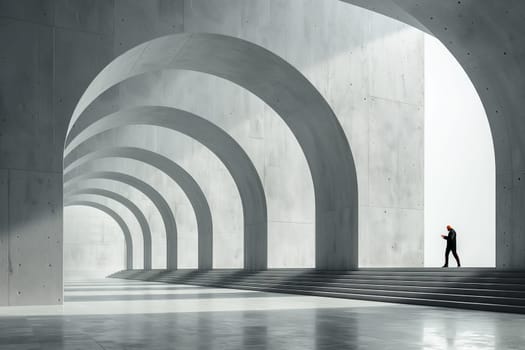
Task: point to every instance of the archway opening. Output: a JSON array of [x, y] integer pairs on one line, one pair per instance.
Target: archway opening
[[94, 243], [460, 169]]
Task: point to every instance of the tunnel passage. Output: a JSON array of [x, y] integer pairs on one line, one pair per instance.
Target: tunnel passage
[[160, 203], [286, 91], [224, 146], [176, 173], [141, 219], [118, 219]]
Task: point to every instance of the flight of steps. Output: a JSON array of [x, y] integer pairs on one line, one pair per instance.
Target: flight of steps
[[480, 289]]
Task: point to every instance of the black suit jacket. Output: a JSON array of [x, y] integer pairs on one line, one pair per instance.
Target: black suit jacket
[[451, 238]]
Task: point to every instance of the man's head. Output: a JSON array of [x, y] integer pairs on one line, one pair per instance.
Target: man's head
[[449, 227]]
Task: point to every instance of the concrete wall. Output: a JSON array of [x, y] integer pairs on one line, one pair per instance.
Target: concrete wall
[[55, 50], [52, 53], [93, 244], [379, 103]]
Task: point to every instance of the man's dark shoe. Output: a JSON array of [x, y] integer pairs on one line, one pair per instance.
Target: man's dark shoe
[[444, 266]]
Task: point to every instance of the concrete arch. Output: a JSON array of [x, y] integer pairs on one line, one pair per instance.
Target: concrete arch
[[493, 60], [188, 185], [289, 94], [81, 173], [219, 142], [141, 219], [122, 224]]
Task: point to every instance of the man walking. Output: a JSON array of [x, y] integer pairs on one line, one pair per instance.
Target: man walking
[[451, 245]]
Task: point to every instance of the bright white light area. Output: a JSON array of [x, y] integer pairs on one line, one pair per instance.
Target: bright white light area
[[459, 163], [94, 244]]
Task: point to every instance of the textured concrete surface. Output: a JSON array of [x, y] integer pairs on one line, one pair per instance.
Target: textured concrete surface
[[32, 128], [97, 236], [4, 238], [351, 73], [35, 238], [59, 47]]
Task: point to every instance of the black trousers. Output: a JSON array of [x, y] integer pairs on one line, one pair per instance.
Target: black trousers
[[453, 250]]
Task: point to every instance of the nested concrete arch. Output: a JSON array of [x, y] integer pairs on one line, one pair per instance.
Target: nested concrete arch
[[83, 173], [216, 140], [189, 186], [289, 94], [493, 60], [141, 219], [113, 214]]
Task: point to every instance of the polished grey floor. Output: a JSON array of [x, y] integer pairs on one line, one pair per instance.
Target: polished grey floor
[[118, 314]]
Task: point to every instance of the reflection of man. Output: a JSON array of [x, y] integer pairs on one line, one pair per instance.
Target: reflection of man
[[451, 245]]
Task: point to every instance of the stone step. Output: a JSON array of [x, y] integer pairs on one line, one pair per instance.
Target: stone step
[[480, 289]]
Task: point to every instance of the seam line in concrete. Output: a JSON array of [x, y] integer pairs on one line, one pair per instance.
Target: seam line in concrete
[[32, 170], [396, 101], [53, 26]]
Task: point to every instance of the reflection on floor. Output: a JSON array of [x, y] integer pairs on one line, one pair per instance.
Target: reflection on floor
[[119, 314]]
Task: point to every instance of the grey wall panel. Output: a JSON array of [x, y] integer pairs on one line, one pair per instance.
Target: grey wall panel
[[4, 237], [94, 16], [122, 224], [146, 233], [178, 175], [35, 238], [26, 119], [79, 56], [55, 48], [37, 11], [137, 21]]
